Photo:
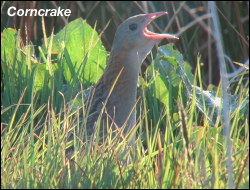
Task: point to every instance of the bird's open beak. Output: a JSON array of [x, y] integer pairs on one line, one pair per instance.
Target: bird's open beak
[[152, 35]]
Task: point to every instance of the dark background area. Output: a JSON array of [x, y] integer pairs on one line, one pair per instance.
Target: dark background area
[[189, 20]]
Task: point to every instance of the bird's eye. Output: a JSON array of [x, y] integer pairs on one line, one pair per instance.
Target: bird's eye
[[133, 26]]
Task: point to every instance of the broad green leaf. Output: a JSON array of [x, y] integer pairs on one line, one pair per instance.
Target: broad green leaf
[[84, 54], [168, 61], [8, 46], [169, 51], [167, 67], [165, 70], [162, 92], [42, 74]]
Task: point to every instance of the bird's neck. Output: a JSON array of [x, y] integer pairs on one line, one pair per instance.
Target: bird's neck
[[123, 68]]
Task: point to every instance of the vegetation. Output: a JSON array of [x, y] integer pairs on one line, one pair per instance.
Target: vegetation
[[181, 140]]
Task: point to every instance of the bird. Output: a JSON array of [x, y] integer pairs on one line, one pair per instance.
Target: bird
[[113, 98]]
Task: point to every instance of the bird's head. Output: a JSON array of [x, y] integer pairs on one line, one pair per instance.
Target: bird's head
[[133, 35]]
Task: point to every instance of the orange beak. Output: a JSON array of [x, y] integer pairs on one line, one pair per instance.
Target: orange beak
[[152, 35]]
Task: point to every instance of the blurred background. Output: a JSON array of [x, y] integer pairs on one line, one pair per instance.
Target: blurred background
[[190, 21]]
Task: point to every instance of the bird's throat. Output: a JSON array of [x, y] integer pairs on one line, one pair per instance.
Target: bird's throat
[[118, 87], [122, 74]]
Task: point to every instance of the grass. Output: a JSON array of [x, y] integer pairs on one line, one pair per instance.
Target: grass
[[181, 156], [176, 145]]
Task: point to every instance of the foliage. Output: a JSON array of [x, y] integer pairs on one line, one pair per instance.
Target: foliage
[[176, 147]]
